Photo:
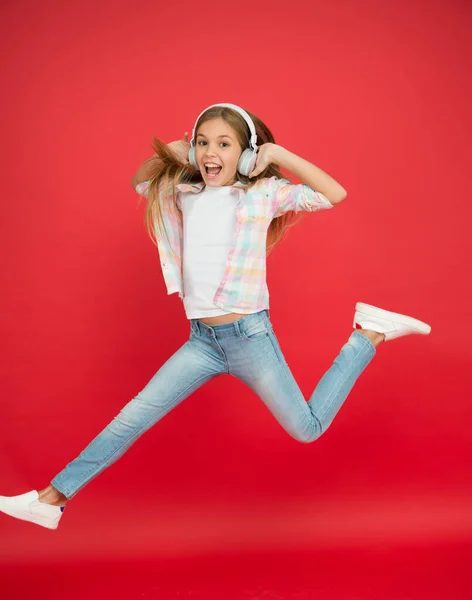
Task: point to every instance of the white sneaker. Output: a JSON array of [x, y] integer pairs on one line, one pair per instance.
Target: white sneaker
[[392, 325], [27, 507]]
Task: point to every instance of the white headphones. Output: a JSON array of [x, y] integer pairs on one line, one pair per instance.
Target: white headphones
[[247, 160]]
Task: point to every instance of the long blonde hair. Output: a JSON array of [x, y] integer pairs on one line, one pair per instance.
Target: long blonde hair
[[169, 172]]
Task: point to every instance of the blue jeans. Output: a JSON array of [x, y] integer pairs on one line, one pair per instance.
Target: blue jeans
[[247, 349]]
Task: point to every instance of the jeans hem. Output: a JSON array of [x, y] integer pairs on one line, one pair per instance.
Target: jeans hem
[[368, 341]]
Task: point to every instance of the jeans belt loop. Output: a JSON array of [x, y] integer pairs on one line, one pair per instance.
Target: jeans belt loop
[[237, 326]]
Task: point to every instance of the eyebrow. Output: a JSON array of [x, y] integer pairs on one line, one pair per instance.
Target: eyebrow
[[220, 136]]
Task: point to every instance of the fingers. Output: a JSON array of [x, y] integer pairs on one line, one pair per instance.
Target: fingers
[[186, 136]]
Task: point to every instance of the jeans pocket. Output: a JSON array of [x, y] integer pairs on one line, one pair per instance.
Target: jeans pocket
[[257, 331]]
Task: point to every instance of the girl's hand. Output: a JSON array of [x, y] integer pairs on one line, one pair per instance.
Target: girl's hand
[[266, 154], [180, 148]]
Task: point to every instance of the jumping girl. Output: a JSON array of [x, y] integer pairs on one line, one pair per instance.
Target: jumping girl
[[215, 209]]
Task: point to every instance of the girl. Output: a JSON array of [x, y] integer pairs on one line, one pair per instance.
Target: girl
[[216, 208]]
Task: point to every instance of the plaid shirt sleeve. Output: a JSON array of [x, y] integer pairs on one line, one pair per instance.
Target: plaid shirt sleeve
[[287, 197]]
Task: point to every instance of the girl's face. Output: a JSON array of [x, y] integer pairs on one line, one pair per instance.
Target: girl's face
[[217, 152]]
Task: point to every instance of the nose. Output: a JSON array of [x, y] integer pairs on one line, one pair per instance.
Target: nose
[[211, 149]]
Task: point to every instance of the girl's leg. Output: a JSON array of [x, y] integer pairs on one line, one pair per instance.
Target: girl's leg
[[187, 370], [266, 371]]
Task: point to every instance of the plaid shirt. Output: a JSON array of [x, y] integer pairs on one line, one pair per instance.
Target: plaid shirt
[[243, 288]]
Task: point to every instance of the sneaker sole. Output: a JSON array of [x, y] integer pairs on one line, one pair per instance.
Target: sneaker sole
[[373, 311]]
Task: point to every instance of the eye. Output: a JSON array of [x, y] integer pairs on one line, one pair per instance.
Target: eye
[[203, 142]]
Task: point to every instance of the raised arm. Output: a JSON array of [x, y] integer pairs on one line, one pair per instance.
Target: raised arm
[[311, 175], [144, 171], [180, 149]]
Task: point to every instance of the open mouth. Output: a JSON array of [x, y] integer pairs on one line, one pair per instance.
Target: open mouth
[[212, 171]]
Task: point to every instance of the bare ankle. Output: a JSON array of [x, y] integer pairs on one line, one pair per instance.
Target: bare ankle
[[374, 336], [51, 495]]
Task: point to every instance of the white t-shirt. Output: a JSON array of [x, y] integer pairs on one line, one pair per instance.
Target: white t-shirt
[[209, 225]]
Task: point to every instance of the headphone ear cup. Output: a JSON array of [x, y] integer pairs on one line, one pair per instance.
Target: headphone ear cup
[[192, 158], [247, 161]]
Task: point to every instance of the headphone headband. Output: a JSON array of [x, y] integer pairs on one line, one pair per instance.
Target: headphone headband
[[242, 112]]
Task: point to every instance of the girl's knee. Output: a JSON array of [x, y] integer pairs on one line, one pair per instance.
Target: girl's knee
[[306, 437], [309, 430]]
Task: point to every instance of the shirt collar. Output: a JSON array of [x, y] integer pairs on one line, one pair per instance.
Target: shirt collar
[[198, 187]]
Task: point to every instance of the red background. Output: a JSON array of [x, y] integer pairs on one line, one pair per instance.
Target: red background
[[376, 94]]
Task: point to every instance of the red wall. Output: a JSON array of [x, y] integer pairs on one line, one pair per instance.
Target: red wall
[[376, 94]]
